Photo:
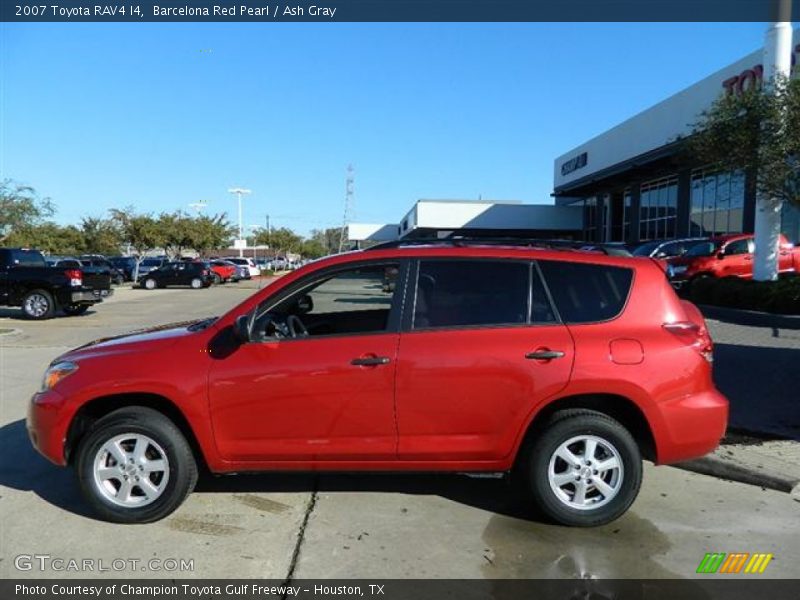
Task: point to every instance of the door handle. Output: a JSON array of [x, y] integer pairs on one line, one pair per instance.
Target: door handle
[[544, 354], [370, 361]]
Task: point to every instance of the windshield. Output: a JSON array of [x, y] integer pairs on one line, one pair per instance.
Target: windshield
[[645, 249], [703, 249]]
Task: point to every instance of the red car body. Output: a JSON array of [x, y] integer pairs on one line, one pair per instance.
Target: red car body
[[450, 399], [225, 272], [730, 256]]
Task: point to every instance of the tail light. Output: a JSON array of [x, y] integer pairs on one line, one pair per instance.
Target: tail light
[[75, 277], [695, 335]]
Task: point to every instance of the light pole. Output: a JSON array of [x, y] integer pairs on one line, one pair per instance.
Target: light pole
[[239, 192]]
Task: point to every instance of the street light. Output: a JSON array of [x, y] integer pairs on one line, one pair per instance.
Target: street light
[[239, 192]]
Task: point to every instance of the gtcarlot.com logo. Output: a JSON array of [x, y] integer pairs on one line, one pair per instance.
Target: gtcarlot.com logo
[[734, 563], [46, 562]]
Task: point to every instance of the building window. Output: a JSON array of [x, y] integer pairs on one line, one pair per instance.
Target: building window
[[717, 203], [790, 222], [658, 209], [590, 219]]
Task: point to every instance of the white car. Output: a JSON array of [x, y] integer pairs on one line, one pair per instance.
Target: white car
[[246, 262]]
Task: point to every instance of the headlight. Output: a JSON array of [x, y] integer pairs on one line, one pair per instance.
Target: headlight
[[56, 373], [679, 269]]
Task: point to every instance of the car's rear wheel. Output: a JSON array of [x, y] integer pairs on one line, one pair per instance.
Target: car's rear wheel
[[583, 469], [38, 305], [74, 310], [150, 284], [135, 466], [196, 283], [217, 279]]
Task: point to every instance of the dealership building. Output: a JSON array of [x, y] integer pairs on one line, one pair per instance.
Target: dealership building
[[633, 184], [629, 184]]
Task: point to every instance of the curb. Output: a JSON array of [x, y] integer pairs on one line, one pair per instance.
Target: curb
[[709, 465]]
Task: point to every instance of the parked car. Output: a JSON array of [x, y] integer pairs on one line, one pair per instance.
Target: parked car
[[728, 255], [40, 290], [667, 249], [556, 366], [252, 269], [224, 271], [151, 264], [63, 261], [125, 264], [101, 262], [194, 274]]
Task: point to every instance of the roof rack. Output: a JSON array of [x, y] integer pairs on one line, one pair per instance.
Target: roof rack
[[459, 241]]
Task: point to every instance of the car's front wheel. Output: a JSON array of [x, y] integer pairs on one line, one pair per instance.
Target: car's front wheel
[[196, 283], [135, 466], [583, 469], [150, 284]]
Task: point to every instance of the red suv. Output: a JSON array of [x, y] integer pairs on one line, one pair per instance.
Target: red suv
[[563, 367]]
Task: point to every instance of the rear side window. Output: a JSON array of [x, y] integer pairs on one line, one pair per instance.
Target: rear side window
[[465, 293], [27, 258], [586, 293]]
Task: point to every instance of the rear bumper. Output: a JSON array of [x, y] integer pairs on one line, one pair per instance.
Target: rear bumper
[[89, 296], [692, 426]]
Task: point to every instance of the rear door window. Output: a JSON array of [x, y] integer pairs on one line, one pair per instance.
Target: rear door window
[[471, 293], [28, 258], [587, 293]]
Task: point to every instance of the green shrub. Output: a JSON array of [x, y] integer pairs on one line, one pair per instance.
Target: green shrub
[[782, 296]]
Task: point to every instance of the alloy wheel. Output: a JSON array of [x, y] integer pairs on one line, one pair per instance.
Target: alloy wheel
[[131, 470]]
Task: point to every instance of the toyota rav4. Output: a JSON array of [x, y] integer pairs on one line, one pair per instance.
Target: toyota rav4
[[563, 368]]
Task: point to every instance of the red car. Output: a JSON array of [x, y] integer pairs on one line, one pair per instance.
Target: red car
[[223, 271], [725, 256], [566, 368]]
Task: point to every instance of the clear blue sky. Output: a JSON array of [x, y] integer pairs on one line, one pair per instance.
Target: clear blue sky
[[163, 115]]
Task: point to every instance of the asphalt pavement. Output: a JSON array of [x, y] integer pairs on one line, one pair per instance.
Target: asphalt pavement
[[287, 526]]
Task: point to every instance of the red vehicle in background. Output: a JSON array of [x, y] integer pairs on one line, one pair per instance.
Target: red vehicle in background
[[223, 271], [726, 256]]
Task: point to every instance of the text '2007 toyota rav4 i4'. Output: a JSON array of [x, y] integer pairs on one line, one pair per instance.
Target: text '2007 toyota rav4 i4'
[[565, 368]]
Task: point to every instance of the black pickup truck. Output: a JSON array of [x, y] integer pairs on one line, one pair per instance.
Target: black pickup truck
[[27, 281]]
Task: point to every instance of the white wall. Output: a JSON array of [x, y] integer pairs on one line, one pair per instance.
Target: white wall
[[656, 126]]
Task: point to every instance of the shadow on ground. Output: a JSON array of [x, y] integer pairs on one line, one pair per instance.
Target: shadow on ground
[[22, 468]]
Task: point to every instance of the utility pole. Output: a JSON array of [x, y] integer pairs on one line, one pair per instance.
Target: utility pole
[[239, 192], [777, 65], [348, 205]]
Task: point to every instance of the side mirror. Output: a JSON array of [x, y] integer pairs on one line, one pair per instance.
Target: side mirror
[[720, 255], [241, 328], [305, 304]]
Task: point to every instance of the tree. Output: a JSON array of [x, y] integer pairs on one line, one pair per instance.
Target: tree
[[280, 240], [100, 236], [21, 206], [207, 232], [48, 237], [141, 231], [327, 238], [756, 131]]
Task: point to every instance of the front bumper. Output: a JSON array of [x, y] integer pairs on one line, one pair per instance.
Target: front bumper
[[692, 426], [89, 296], [47, 425]]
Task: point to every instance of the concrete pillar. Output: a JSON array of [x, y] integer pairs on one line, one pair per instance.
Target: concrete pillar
[[777, 64]]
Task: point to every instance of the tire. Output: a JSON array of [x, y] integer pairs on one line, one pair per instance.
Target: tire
[[74, 310], [38, 305], [150, 284], [119, 279], [558, 497], [217, 279], [196, 283], [129, 429]]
